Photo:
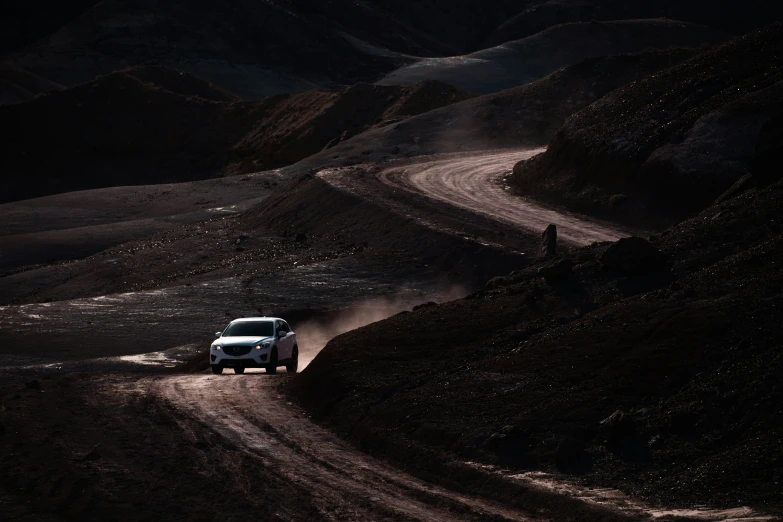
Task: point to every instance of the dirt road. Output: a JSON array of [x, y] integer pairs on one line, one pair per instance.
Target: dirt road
[[346, 484], [475, 183], [453, 192]]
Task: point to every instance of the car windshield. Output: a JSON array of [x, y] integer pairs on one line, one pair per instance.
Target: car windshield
[[250, 329]]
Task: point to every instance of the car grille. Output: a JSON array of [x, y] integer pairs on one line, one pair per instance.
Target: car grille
[[237, 351]]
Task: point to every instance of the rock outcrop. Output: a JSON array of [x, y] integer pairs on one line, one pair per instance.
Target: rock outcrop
[[670, 143], [549, 241]]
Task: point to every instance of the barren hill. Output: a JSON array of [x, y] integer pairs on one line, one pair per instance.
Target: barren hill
[[179, 82], [153, 125], [292, 127], [731, 16], [18, 85], [257, 48], [526, 115], [526, 60], [23, 22], [415, 27], [664, 147], [260, 48], [251, 48]]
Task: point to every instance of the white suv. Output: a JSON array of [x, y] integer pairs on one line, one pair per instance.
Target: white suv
[[255, 342]]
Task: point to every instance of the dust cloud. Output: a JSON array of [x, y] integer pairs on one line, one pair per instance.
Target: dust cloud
[[313, 334]]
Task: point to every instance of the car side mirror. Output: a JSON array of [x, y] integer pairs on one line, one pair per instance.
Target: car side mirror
[[218, 334], [280, 335]]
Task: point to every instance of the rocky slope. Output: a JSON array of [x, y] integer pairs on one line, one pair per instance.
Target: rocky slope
[[649, 366], [407, 25], [18, 85], [24, 22], [526, 115], [293, 127], [526, 60], [255, 48], [178, 82], [731, 16], [156, 125], [251, 48], [664, 147]]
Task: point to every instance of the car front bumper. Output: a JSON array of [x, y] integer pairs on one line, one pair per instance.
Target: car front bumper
[[255, 359]]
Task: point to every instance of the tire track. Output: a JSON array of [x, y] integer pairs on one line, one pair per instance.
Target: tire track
[[475, 183], [347, 484]]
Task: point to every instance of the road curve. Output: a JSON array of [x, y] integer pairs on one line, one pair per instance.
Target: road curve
[[348, 485], [345, 483], [475, 183]]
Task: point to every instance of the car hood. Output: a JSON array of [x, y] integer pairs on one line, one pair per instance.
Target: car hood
[[240, 341]]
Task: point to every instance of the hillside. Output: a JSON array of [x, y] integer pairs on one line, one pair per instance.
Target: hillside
[[154, 125], [18, 85], [526, 60], [526, 115], [294, 127], [731, 16], [178, 82], [254, 49], [650, 367], [407, 26], [653, 154], [24, 21]]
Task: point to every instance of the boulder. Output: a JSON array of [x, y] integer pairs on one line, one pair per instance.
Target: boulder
[[549, 241], [633, 255]]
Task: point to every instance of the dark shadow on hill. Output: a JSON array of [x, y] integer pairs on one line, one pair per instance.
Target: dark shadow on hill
[[660, 149]]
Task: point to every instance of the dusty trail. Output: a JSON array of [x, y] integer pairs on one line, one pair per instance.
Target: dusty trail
[[475, 183], [347, 484]]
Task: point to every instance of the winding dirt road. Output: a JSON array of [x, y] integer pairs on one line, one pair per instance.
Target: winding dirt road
[[475, 183], [346, 484]]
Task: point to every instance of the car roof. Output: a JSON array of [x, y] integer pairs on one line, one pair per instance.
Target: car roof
[[242, 319]]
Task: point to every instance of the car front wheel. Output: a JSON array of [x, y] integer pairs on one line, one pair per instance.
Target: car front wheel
[[272, 368], [217, 370], [239, 371]]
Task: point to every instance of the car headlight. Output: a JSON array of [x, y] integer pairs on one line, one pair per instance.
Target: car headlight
[[264, 345], [216, 347]]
